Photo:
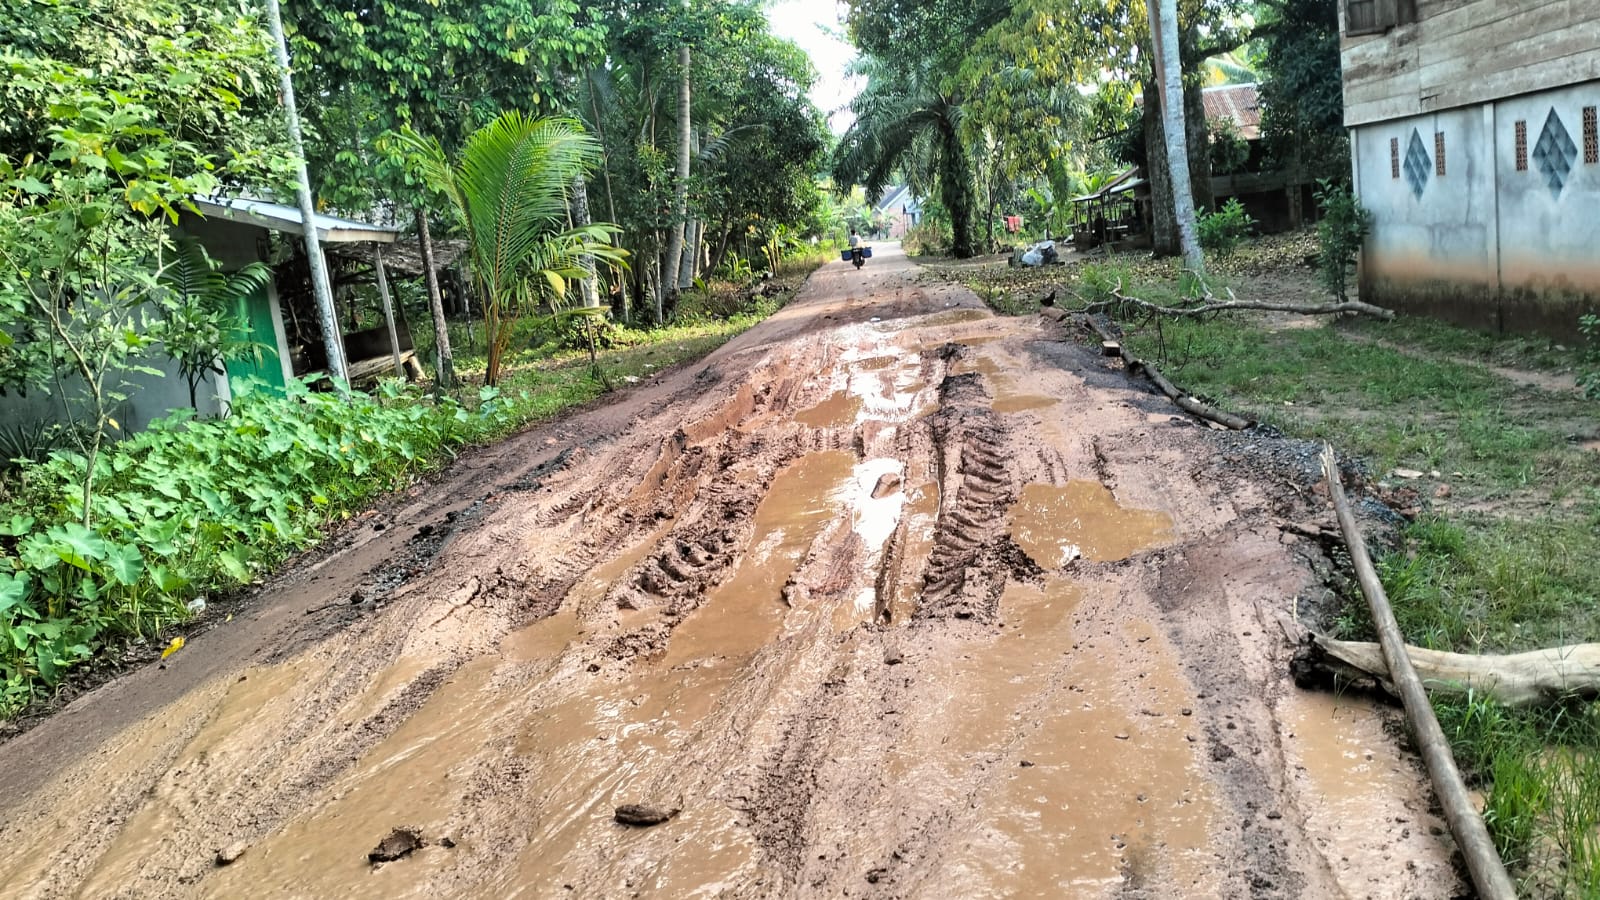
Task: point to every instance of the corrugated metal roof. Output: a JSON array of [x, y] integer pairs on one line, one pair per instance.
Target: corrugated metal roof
[[287, 219], [1239, 102]]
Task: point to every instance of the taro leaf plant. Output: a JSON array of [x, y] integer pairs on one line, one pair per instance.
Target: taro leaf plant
[[112, 117], [509, 191], [200, 312]]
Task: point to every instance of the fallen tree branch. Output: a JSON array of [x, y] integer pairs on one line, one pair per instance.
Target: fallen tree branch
[[1184, 401], [1483, 861], [1520, 679], [1213, 305]]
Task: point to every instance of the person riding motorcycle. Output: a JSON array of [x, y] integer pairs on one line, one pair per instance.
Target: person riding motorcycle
[[857, 256]]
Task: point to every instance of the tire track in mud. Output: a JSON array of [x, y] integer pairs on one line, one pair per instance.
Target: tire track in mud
[[792, 598]]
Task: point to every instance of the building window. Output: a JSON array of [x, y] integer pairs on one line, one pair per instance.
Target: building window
[[1438, 153], [1591, 137], [1522, 146], [1394, 158], [1377, 16]]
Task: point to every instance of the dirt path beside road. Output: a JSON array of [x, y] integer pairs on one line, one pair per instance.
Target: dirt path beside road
[[887, 598]]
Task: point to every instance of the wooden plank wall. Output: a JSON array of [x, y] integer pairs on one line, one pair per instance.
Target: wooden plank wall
[[1461, 52]]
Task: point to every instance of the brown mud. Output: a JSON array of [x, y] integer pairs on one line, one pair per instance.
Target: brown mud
[[886, 598]]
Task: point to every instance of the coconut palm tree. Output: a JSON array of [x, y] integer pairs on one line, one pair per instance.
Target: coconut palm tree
[[905, 122], [509, 190]]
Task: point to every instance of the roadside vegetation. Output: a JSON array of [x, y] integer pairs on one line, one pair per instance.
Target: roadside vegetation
[[190, 508], [1498, 480], [608, 232]]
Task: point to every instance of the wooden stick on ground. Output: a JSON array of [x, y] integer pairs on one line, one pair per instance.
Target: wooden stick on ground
[[1483, 861], [1136, 366], [1520, 679]]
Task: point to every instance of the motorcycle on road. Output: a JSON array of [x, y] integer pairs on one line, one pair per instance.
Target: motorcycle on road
[[856, 255]]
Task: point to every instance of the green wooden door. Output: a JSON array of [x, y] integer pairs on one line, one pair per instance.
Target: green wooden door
[[261, 360]]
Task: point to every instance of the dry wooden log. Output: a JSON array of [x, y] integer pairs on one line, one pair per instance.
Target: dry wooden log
[[1184, 401], [1520, 679], [1483, 861], [1212, 305]]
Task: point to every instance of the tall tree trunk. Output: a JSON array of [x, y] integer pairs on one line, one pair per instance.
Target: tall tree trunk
[[680, 197], [444, 363], [605, 165], [1164, 33], [1199, 143], [1163, 223], [688, 262], [955, 183], [580, 218], [321, 287]]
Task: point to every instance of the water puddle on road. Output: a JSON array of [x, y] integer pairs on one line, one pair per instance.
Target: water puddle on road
[[875, 363], [745, 612], [1056, 524], [1095, 781], [1360, 795], [951, 317], [1015, 403], [837, 411]]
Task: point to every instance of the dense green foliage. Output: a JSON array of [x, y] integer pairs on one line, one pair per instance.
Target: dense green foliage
[[1222, 231], [509, 191], [1340, 234], [1302, 96], [188, 507]]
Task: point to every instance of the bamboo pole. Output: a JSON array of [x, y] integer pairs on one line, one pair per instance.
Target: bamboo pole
[[388, 311], [1483, 861]]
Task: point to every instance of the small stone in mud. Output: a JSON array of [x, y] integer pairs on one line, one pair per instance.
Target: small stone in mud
[[643, 814], [1122, 735], [1187, 711], [231, 853], [893, 658], [1026, 764], [400, 843], [448, 843]]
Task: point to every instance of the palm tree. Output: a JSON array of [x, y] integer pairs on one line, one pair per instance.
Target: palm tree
[[905, 122], [509, 190]]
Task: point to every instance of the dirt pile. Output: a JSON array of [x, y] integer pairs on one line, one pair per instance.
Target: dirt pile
[[889, 598]]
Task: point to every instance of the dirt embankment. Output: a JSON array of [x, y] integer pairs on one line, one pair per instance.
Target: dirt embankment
[[888, 598]]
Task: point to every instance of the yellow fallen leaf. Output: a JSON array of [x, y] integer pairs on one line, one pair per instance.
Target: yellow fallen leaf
[[174, 647]]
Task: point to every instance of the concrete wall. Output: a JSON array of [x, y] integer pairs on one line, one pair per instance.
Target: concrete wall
[[1483, 244]]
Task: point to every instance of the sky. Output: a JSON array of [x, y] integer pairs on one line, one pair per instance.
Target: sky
[[817, 27]]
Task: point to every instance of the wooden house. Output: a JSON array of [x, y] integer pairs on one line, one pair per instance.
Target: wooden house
[[1474, 146]]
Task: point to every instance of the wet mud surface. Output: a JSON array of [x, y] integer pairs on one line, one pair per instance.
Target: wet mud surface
[[886, 598]]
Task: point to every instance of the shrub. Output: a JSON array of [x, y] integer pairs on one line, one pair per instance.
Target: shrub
[[1589, 376], [1343, 228], [1222, 231]]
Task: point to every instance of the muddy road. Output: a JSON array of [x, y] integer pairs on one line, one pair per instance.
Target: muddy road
[[886, 598]]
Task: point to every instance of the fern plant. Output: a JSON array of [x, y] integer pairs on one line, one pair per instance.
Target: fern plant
[[200, 312]]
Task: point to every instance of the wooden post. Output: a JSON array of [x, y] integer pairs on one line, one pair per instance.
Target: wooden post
[[1483, 861], [388, 310]]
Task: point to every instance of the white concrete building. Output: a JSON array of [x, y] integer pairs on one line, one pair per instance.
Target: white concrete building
[[1473, 136]]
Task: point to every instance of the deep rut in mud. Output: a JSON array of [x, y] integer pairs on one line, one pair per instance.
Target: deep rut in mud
[[887, 598]]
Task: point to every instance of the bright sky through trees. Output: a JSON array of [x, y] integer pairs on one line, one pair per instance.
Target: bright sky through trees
[[817, 27]]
